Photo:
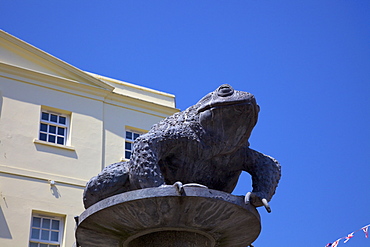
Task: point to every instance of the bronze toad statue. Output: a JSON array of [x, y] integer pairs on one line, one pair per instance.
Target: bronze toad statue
[[206, 144]]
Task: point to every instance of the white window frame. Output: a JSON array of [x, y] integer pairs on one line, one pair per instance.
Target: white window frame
[[42, 228], [50, 130], [129, 142]]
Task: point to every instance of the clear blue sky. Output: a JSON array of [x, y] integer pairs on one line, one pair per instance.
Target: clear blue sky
[[307, 63]]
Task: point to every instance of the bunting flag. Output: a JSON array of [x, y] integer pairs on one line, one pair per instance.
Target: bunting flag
[[365, 228], [335, 244], [349, 236]]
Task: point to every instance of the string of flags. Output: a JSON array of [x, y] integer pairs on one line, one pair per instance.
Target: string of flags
[[349, 236]]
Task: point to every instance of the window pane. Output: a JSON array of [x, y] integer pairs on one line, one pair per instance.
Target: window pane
[[128, 145], [33, 245], [36, 221], [45, 116], [43, 127], [44, 231], [35, 233], [129, 135], [60, 131], [54, 236], [55, 225], [51, 138], [43, 137], [62, 120], [45, 235], [127, 155], [46, 223], [136, 135], [60, 140], [53, 118], [52, 129]]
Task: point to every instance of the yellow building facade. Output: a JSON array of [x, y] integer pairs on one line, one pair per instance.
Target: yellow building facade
[[59, 126]]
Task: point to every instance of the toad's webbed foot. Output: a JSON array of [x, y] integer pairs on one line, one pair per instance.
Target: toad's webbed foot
[[179, 187], [256, 201], [195, 185]]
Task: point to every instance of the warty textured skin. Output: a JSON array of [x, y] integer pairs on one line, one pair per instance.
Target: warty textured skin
[[205, 144]]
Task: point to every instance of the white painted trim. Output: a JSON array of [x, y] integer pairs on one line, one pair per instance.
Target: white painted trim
[[46, 57], [43, 176], [12, 72], [36, 141]]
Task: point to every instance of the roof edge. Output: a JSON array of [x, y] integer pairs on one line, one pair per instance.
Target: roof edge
[[54, 60], [104, 78]]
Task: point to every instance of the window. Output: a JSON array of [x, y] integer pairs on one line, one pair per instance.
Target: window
[[129, 142], [46, 231], [53, 127]]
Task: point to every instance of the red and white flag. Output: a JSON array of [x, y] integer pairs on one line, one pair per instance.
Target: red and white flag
[[335, 244], [365, 229], [349, 237]]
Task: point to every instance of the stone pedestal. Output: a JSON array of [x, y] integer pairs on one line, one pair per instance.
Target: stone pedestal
[[162, 217]]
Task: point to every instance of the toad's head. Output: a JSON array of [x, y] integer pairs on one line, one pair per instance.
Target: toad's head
[[228, 116]]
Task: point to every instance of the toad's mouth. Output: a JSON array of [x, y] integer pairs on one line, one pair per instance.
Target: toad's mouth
[[223, 104]]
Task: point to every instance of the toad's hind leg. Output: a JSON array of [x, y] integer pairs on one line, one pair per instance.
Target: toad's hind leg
[[112, 180]]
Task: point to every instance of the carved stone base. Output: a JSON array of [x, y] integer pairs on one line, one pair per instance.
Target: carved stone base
[[161, 217]]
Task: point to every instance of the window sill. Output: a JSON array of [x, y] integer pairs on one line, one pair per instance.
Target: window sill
[[53, 145]]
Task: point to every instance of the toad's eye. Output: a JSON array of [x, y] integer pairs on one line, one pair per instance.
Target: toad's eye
[[225, 90]]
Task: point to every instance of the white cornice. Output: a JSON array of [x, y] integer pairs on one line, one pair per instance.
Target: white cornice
[[50, 81], [72, 80], [104, 78], [89, 91], [53, 60], [140, 105]]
